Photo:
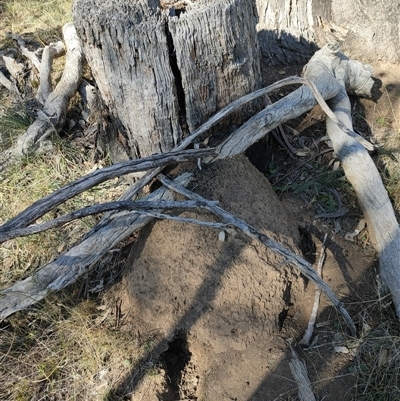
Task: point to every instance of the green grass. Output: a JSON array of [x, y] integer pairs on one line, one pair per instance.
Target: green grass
[[316, 185]]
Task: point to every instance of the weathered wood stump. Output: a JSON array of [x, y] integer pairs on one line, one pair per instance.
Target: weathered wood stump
[[162, 75], [290, 31]]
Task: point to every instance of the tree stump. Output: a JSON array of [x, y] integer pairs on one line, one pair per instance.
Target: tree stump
[[162, 73], [290, 31]]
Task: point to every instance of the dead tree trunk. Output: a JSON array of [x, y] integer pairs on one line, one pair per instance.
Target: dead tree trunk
[[291, 30], [163, 72]]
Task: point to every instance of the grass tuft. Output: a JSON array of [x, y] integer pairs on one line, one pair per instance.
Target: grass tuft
[[59, 351], [378, 360], [13, 122], [42, 17]]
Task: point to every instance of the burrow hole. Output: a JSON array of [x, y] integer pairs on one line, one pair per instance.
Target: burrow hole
[[174, 362]]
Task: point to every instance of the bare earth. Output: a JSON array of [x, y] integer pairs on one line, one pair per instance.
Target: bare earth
[[222, 314]]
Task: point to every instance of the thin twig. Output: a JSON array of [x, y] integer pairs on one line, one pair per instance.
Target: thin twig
[[302, 165], [141, 207], [310, 328], [163, 216]]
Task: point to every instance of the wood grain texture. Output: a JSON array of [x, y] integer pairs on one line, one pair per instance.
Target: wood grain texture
[[126, 47], [290, 31], [218, 57], [159, 74]]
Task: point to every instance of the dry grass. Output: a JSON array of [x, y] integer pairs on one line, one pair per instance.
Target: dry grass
[[386, 125], [56, 350], [34, 16], [378, 354], [31, 179], [59, 352], [378, 357]]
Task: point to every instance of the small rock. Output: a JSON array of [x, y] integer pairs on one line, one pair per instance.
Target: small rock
[[341, 349]]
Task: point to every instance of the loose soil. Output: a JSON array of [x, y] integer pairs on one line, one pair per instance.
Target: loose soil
[[219, 318], [223, 314]]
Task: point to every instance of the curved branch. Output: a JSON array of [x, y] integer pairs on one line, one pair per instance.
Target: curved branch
[[44, 205], [358, 166], [291, 106], [71, 265], [53, 113], [50, 52], [142, 207]]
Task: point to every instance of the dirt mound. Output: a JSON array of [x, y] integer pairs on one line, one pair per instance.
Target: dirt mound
[[216, 306], [215, 318]]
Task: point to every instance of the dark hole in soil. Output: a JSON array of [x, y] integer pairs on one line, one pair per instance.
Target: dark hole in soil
[[260, 154], [307, 245], [287, 297], [282, 317], [174, 360]]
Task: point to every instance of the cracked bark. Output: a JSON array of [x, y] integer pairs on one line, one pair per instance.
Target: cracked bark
[[290, 31], [162, 76]]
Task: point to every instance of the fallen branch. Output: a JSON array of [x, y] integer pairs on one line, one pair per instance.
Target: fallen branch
[[53, 113], [142, 207], [50, 52], [7, 83], [313, 317], [71, 265], [289, 107], [15, 69], [31, 56], [289, 257], [299, 372], [44, 205], [362, 173]]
